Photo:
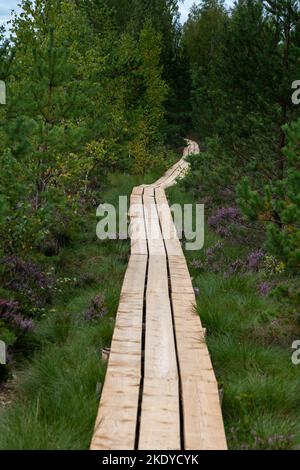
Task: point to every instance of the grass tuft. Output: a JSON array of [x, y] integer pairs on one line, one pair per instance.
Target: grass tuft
[[56, 401], [249, 337]]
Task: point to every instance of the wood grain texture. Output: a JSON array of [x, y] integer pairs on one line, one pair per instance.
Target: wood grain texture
[[160, 419], [160, 423], [117, 417], [146, 372], [203, 422]]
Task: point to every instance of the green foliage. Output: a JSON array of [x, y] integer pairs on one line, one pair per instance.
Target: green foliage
[[79, 101], [242, 65], [279, 204], [86, 90], [50, 418], [55, 382], [249, 336]]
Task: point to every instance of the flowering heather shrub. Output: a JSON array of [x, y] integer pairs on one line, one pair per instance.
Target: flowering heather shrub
[[275, 442], [264, 288], [214, 259], [13, 331], [225, 221], [259, 442], [214, 250], [197, 264], [10, 314], [96, 310], [32, 286], [207, 200], [228, 214], [237, 266], [255, 260]]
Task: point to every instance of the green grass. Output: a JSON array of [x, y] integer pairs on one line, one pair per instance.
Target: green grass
[[57, 402], [56, 399], [249, 339]]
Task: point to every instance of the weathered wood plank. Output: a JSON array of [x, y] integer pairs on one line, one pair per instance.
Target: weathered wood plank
[[134, 280], [117, 416], [160, 427], [137, 226], [116, 422], [155, 243], [172, 243], [203, 422], [138, 190], [180, 278], [157, 275], [160, 420], [153, 231]]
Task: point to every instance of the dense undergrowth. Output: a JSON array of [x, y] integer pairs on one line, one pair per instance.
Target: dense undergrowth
[[244, 64], [85, 99], [97, 90], [89, 99], [251, 325], [55, 390]]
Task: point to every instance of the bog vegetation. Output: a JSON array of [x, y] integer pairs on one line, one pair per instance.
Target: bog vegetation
[[100, 95]]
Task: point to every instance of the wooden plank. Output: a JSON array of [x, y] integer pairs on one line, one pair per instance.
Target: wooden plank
[[160, 417], [160, 358], [169, 231], [137, 228], [116, 422], [161, 195], [203, 422], [117, 416], [134, 281], [155, 243], [171, 175], [148, 191], [170, 179], [160, 420], [138, 191], [160, 427], [204, 429], [158, 275], [179, 274], [153, 231]]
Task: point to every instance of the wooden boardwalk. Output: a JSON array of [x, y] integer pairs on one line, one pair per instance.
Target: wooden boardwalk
[[160, 391]]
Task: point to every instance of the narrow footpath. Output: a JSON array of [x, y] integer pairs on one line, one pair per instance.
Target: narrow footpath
[[160, 390]]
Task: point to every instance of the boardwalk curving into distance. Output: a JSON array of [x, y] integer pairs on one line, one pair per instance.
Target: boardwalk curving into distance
[[160, 390]]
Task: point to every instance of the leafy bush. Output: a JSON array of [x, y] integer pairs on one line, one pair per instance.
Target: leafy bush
[[15, 330], [10, 315], [31, 285], [279, 204]]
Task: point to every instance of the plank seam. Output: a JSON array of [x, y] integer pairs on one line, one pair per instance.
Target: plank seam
[[143, 342], [181, 419]]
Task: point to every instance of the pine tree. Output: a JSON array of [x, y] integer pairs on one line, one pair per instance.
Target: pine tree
[[285, 15]]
